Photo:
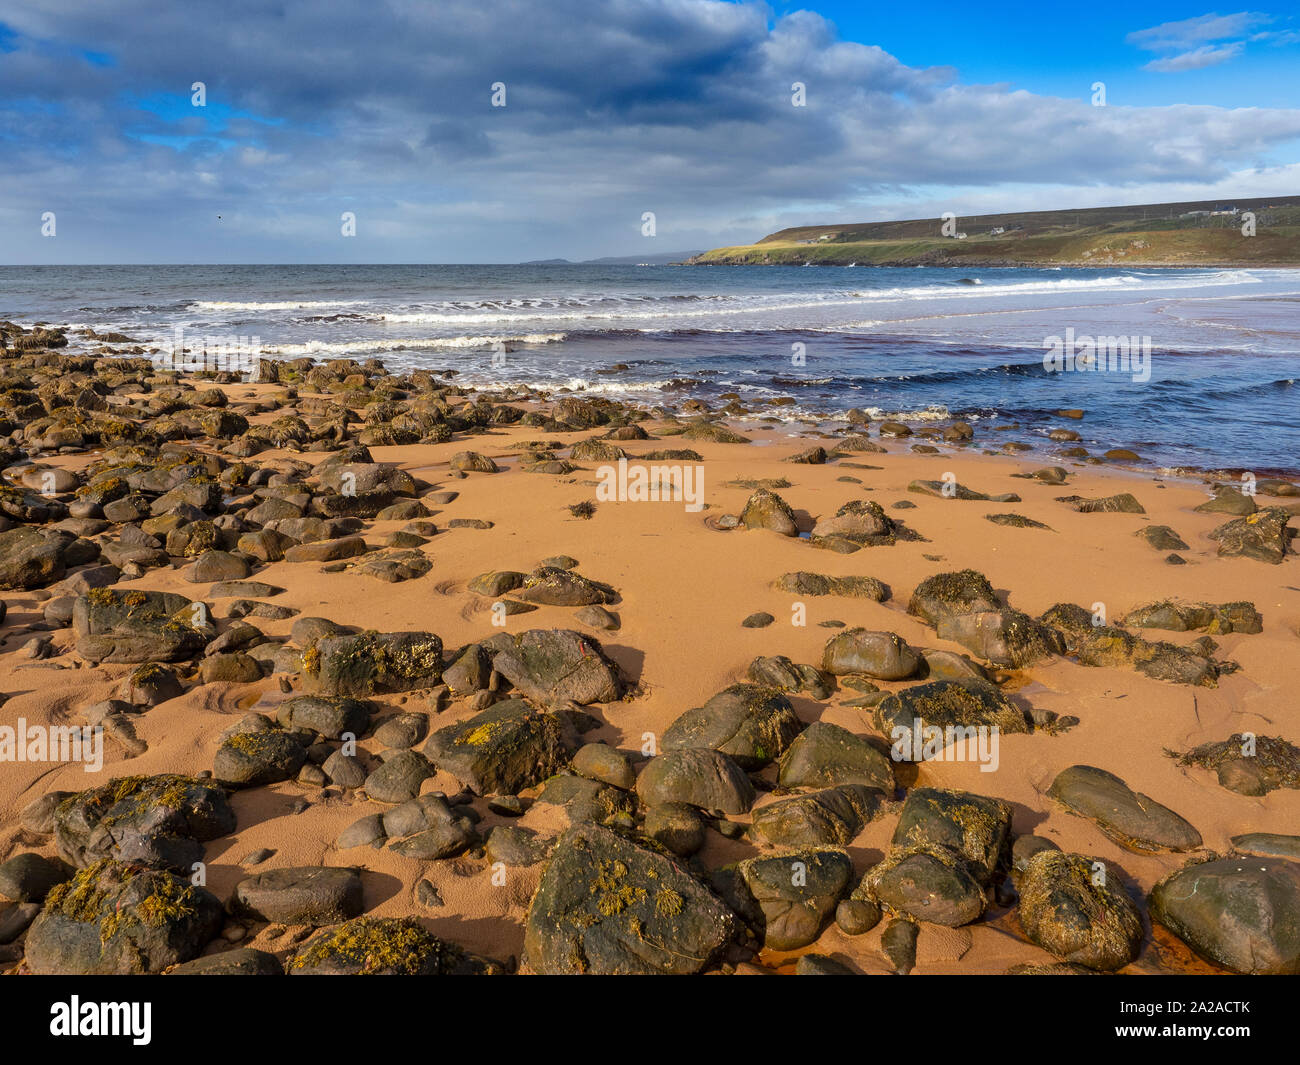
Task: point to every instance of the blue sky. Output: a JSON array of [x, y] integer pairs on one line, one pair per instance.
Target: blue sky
[[613, 108]]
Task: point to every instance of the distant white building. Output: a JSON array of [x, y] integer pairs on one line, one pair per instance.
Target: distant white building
[[997, 230]]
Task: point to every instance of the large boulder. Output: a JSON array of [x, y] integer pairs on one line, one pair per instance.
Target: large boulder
[[699, 776], [1241, 913], [371, 662], [832, 817], [1003, 637], [121, 917], [947, 595], [1070, 907], [826, 755], [750, 723], [555, 666], [882, 655], [111, 625], [788, 898], [157, 820], [1133, 820], [31, 557], [606, 905], [1263, 536], [504, 749], [956, 707]]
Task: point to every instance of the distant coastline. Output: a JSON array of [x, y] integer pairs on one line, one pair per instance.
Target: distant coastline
[[1243, 233]]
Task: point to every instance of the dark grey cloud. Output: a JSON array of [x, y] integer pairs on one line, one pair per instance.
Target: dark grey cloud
[[681, 107]]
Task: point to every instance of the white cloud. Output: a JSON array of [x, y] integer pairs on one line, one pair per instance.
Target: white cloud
[[1197, 59]]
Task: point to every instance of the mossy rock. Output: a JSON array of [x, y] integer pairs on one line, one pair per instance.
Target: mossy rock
[[1074, 908], [371, 662], [606, 905], [750, 723], [502, 750], [386, 946], [121, 917], [161, 820]]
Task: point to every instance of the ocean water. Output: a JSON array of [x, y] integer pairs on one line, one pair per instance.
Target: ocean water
[[915, 343]]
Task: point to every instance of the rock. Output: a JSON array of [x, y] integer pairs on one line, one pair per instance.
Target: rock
[[30, 877], [598, 761], [677, 825], [345, 770], [31, 557], [331, 717], [313, 895], [1123, 503], [777, 671], [588, 800], [1236, 912], [556, 666], [237, 668], [1130, 818], [505, 748], [759, 620], [242, 961], [473, 462], [1268, 845], [858, 523], [552, 586], [119, 917], [135, 626], [38, 816], [362, 832], [1003, 637], [515, 846], [751, 724], [598, 618], [832, 817], [1187, 617], [160, 820], [217, 566], [881, 655], [702, 777], [496, 583], [399, 778], [372, 662], [1254, 767], [403, 730], [816, 584], [947, 595], [1263, 536], [788, 898], [856, 917], [343, 547], [1228, 501], [1074, 913], [767, 510], [252, 759], [942, 856], [607, 906], [386, 946], [1162, 538], [907, 717], [898, 944], [826, 755]]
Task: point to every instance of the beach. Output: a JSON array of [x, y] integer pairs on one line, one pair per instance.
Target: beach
[[667, 595]]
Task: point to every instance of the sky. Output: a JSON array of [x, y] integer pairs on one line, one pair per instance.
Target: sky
[[241, 131]]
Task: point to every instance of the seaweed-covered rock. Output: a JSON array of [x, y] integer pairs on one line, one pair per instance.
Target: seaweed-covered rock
[[831, 817], [944, 704], [750, 723], [121, 917], [386, 946], [1263, 536], [1072, 909], [1249, 766], [553, 586], [767, 510], [608, 906], [250, 759], [1004, 637], [31, 557], [1241, 913], [158, 820], [817, 584], [857, 524], [882, 655], [504, 749], [948, 595]]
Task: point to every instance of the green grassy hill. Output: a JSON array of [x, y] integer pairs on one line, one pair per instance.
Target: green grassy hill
[[1162, 234]]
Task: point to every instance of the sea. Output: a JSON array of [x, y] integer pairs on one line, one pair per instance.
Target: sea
[[917, 344]]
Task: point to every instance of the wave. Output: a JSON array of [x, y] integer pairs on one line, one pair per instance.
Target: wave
[[361, 347]]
